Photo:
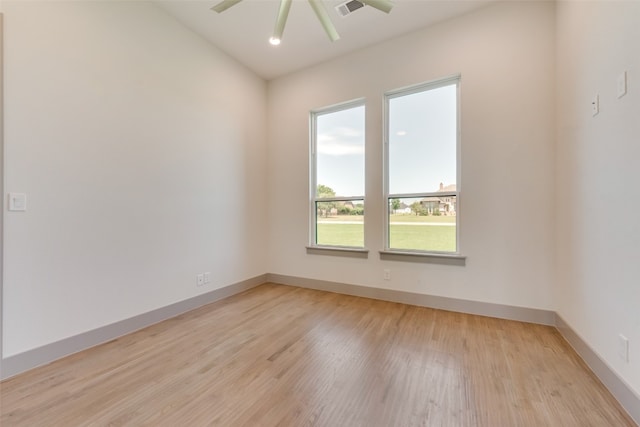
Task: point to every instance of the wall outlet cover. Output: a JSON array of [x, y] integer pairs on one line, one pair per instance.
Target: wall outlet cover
[[623, 348], [622, 84]]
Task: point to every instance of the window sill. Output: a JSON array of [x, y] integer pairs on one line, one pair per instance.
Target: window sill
[[433, 258], [338, 251]]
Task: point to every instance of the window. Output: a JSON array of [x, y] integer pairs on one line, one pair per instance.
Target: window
[[421, 168], [337, 176]]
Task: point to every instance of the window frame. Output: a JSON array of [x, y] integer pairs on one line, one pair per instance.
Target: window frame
[[313, 177], [410, 90]]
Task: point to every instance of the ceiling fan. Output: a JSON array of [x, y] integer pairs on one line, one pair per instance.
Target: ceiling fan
[[318, 8]]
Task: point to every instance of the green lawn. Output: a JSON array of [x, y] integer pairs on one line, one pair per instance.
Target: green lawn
[[428, 237], [436, 238], [342, 218], [340, 234]]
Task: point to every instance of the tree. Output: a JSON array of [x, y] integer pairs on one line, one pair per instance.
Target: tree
[[416, 208], [323, 191], [395, 205]]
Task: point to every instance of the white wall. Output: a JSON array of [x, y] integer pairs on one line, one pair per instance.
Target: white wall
[[141, 148], [598, 196], [505, 54]]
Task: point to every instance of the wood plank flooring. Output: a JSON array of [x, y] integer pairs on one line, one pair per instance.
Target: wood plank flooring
[[286, 356]]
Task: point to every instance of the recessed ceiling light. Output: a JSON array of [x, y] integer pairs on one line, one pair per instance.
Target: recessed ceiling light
[[274, 41]]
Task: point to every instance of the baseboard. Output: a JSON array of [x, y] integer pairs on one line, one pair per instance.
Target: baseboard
[[629, 400], [22, 362], [522, 314]]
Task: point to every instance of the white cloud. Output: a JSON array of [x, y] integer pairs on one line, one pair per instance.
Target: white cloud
[[335, 148], [341, 141], [325, 138]]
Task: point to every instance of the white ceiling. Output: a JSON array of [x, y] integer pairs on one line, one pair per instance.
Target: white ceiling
[[243, 30]]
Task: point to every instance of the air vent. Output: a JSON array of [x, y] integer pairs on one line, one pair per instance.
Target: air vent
[[347, 8]]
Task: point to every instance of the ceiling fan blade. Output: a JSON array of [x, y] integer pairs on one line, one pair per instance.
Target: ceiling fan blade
[[324, 19], [224, 5], [383, 5], [281, 20]]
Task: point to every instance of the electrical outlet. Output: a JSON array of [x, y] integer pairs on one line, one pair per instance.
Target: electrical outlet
[[623, 348], [207, 277], [622, 84], [386, 274], [200, 279], [595, 105]]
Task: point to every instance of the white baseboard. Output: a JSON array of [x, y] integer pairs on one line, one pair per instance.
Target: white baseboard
[[629, 400], [523, 314], [30, 359]]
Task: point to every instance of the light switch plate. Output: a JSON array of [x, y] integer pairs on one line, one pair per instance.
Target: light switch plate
[[17, 202]]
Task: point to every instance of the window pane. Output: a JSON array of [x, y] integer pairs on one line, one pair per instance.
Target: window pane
[[340, 223], [422, 140], [423, 223], [340, 153]]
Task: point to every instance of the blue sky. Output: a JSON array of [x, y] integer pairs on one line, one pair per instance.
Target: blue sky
[[422, 144], [340, 151]]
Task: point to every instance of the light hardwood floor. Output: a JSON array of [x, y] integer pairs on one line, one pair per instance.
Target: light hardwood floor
[[286, 356]]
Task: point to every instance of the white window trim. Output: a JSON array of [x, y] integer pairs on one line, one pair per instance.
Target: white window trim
[[421, 87], [313, 176]]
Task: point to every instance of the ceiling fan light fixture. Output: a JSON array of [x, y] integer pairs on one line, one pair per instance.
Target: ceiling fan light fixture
[[320, 11], [281, 20]]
